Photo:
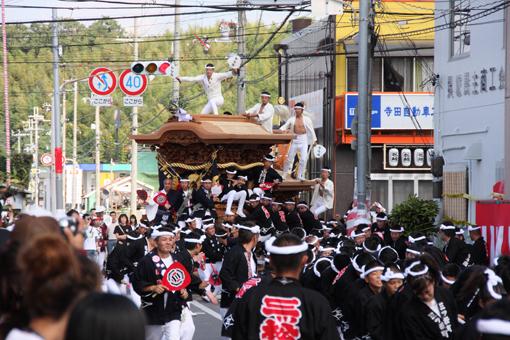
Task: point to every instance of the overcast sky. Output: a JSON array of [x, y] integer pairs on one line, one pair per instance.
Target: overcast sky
[[147, 26]]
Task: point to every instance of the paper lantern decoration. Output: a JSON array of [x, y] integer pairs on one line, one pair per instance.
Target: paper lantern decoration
[[406, 157], [430, 155], [419, 157], [393, 157]]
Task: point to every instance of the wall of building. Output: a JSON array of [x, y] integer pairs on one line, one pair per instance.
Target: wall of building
[[469, 104]]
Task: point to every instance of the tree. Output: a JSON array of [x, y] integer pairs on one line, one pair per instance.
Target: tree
[[415, 214]]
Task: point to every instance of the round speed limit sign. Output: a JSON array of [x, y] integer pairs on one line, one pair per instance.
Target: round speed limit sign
[[46, 159], [132, 84]]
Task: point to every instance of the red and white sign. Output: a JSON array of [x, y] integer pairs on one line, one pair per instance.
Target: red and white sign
[[176, 277], [102, 81], [132, 84], [46, 159]]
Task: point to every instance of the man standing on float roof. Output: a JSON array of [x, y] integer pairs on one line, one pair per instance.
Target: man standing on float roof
[[211, 82]]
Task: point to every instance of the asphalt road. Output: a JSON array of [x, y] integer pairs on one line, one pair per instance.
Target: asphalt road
[[207, 320]]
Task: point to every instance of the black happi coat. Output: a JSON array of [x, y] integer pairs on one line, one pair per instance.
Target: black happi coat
[[200, 196], [457, 252], [376, 316], [340, 293], [279, 221], [283, 305], [400, 246], [212, 249], [421, 323], [309, 221], [271, 175], [233, 273], [148, 272], [479, 252], [262, 217], [293, 220], [187, 261]]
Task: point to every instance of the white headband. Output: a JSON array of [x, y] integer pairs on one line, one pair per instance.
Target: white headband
[[324, 169], [385, 218], [473, 228], [390, 275], [447, 227], [386, 247], [231, 172], [414, 240], [195, 240], [208, 225], [409, 270], [156, 233], [321, 248], [255, 229], [445, 279], [354, 235], [315, 270], [492, 281], [355, 264], [401, 230], [285, 250], [371, 270], [493, 326], [302, 205], [412, 251], [209, 67], [370, 250]]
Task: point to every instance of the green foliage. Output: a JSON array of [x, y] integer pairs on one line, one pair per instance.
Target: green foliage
[[21, 163], [415, 214], [98, 44]]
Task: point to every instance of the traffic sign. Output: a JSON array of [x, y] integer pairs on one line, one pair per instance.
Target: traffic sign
[[102, 81], [133, 101], [96, 100], [46, 159], [132, 84]]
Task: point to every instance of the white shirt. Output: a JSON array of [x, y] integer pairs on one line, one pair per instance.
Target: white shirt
[[212, 87], [151, 208], [307, 122], [111, 227], [91, 236], [327, 194], [17, 334], [433, 306], [264, 117]]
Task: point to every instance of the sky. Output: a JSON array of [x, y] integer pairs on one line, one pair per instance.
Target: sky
[[147, 26]]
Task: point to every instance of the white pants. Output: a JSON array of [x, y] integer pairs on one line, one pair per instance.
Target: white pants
[[235, 196], [300, 144], [183, 329], [318, 207], [101, 256], [212, 106], [205, 275], [112, 287], [259, 192]]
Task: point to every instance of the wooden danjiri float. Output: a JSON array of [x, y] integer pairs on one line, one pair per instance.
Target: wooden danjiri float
[[212, 143]]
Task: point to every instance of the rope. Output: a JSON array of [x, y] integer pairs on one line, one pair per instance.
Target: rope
[[209, 164]]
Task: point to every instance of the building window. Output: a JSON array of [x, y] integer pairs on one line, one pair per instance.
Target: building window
[[401, 191], [352, 74], [424, 71], [460, 34], [380, 192], [398, 74]]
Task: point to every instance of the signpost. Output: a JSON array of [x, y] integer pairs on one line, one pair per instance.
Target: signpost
[[133, 85]]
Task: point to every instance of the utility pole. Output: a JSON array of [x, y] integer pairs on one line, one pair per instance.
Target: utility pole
[[241, 50], [177, 53], [75, 141], [98, 160], [134, 131], [56, 188], [6, 100], [362, 170], [64, 141]]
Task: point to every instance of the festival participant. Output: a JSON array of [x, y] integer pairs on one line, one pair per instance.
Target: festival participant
[[264, 177], [381, 227], [102, 242], [479, 248], [159, 214], [203, 200], [91, 242], [283, 305], [184, 196], [261, 215], [376, 316], [263, 112], [323, 193], [455, 250], [213, 251], [233, 189], [431, 313], [308, 219], [291, 215], [238, 264], [162, 308], [304, 135], [278, 218], [398, 240], [211, 83]]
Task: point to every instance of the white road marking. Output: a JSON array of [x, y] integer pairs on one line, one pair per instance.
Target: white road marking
[[207, 310]]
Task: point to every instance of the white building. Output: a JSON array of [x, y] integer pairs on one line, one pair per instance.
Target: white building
[[469, 120]]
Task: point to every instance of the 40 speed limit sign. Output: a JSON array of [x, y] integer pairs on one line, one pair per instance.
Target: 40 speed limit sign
[[133, 85]]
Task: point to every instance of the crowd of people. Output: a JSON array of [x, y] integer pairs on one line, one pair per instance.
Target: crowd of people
[[278, 270]]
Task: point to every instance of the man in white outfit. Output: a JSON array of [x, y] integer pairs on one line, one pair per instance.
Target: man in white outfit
[[211, 82], [263, 111], [304, 135], [323, 193]]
